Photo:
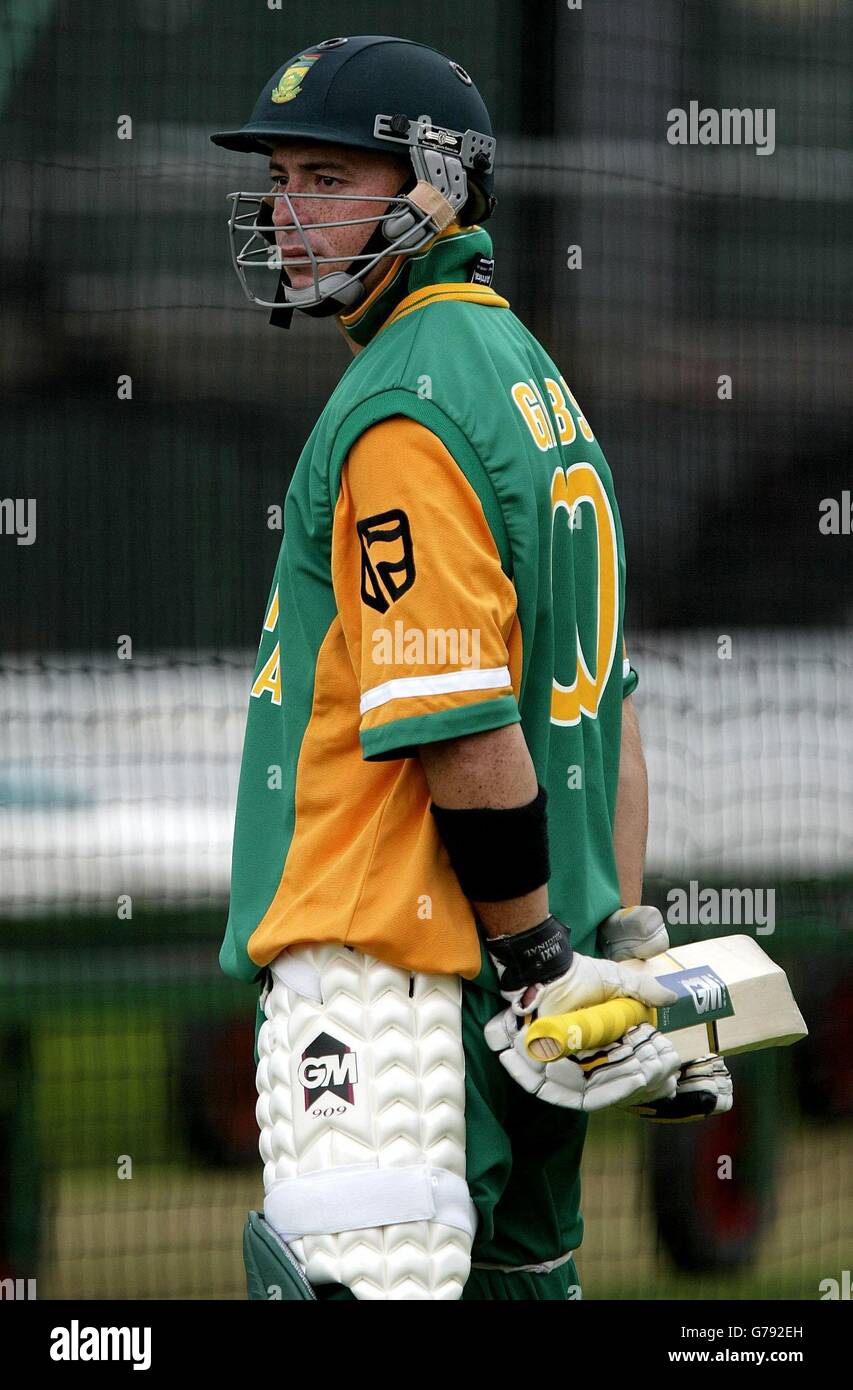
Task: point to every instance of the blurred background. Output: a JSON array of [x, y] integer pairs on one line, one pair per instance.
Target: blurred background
[[122, 1048]]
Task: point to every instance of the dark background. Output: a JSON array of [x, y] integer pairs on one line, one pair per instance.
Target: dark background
[[696, 262]]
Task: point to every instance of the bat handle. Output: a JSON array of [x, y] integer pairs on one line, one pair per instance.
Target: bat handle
[[558, 1035]]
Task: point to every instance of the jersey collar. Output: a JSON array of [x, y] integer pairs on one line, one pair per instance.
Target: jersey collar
[[444, 261]]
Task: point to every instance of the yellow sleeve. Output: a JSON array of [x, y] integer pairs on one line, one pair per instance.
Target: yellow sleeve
[[428, 614]]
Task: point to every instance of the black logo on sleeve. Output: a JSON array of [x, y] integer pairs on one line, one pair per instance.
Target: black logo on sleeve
[[482, 271], [387, 559]]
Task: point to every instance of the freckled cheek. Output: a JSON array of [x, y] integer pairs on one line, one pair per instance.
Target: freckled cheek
[[348, 238]]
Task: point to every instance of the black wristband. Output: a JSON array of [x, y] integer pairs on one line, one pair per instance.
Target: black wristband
[[497, 853], [535, 956]]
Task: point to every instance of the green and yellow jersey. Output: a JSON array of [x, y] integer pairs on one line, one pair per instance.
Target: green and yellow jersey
[[452, 562]]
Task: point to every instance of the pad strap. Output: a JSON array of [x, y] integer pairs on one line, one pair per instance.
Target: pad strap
[[363, 1195], [544, 1267]]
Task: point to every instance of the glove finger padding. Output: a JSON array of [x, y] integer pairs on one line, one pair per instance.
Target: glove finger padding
[[704, 1088], [642, 1062], [504, 1034], [633, 933]]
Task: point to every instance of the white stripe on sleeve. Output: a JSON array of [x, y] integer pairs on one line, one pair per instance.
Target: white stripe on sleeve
[[415, 687]]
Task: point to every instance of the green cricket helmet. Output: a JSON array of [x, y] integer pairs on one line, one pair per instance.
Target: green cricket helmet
[[371, 92]]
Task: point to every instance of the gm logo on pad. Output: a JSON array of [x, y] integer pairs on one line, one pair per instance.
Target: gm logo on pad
[[328, 1066]]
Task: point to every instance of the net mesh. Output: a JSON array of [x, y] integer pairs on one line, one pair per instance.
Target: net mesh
[[697, 300], [119, 777]]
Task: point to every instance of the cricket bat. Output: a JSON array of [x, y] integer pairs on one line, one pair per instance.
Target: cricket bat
[[732, 998]]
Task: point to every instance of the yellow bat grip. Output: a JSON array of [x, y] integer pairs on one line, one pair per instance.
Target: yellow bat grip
[[557, 1035]]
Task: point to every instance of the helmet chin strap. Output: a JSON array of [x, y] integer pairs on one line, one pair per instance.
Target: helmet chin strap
[[349, 295], [329, 305]]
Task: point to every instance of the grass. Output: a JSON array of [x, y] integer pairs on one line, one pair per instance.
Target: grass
[[174, 1231]]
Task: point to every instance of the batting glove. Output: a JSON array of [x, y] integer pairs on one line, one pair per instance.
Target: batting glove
[[640, 1062], [531, 966], [703, 1088], [633, 933]]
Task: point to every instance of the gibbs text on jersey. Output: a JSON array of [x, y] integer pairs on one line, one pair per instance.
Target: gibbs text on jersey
[[452, 562]]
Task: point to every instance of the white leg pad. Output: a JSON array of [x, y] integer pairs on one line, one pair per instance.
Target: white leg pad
[[361, 1107]]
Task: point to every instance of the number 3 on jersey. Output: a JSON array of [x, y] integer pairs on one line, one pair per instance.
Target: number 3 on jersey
[[569, 488]]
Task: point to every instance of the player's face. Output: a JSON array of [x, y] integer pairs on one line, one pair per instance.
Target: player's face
[[325, 168]]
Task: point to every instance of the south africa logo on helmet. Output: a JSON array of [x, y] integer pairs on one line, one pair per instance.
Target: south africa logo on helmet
[[290, 83]]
